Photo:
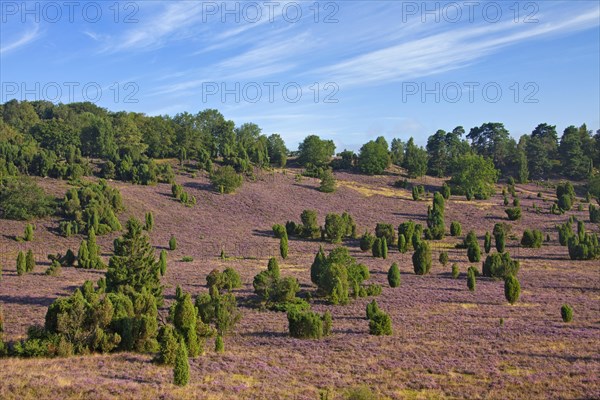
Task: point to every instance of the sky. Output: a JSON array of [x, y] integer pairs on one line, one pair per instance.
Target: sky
[[344, 70]]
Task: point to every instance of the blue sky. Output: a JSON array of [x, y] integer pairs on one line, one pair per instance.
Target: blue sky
[[390, 68]]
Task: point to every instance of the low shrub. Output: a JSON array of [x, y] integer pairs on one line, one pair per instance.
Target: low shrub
[[532, 238], [512, 289], [566, 312]]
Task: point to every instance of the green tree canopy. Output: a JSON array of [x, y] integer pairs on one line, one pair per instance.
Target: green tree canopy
[[474, 173], [315, 151]]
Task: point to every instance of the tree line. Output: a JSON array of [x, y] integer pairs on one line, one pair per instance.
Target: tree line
[[59, 140]]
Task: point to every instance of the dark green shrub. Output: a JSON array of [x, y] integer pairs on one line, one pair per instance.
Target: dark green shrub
[[594, 214], [310, 228], [163, 262], [293, 228], [435, 219], [149, 217], [407, 229], [500, 265], [29, 261], [335, 227], [505, 200], [532, 238], [384, 248], [181, 370], [445, 191], [471, 280], [422, 258], [380, 324], [500, 240], [327, 182], [168, 345], [21, 266], [566, 312], [377, 248], [337, 274], [386, 231], [516, 202], [83, 256], [54, 269], [21, 198], [565, 193], [373, 289], [473, 250], [184, 317], [218, 309], [455, 271], [512, 289], [366, 241], [28, 235], [584, 246], [565, 232], [402, 244], [487, 242], [394, 276], [469, 194], [372, 309], [455, 228], [327, 323], [279, 231], [172, 243], [318, 267], [443, 258], [283, 247], [350, 225], [415, 193], [513, 213], [219, 345], [226, 180], [307, 324], [565, 202]]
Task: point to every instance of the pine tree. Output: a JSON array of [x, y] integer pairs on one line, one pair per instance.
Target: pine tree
[[21, 266], [133, 263], [181, 371], [29, 261], [172, 243]]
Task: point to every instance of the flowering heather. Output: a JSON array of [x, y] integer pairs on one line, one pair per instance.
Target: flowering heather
[[446, 342]]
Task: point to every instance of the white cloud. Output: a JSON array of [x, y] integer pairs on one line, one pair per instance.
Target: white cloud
[[25, 39]]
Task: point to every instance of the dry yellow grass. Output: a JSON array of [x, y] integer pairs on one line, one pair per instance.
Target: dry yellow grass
[[369, 191]]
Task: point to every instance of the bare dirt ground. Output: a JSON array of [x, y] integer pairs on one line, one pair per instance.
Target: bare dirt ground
[[447, 342]]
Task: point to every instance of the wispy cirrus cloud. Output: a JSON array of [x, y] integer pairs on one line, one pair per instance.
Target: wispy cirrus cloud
[[163, 22], [449, 50], [25, 39]]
